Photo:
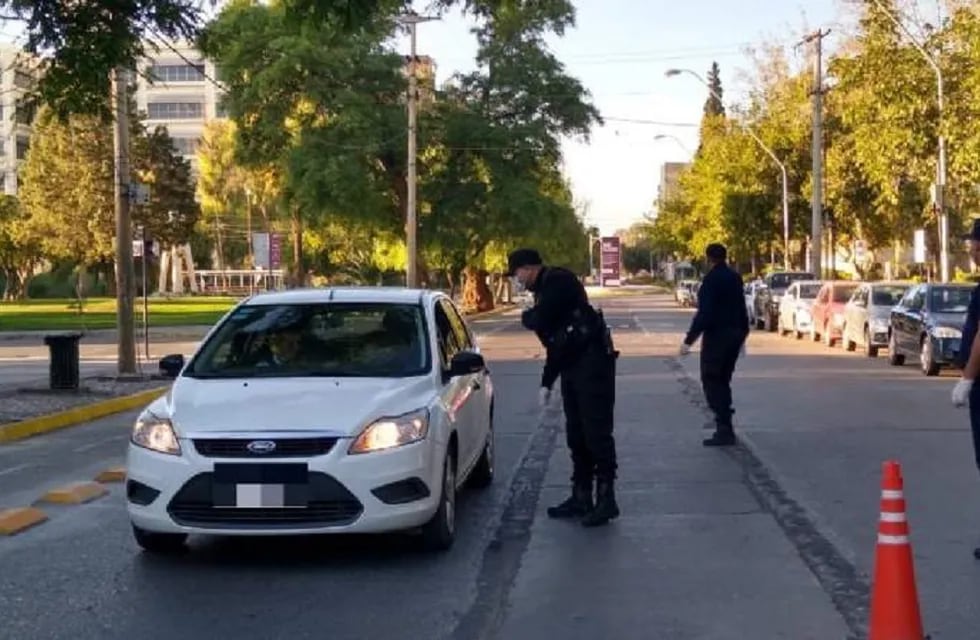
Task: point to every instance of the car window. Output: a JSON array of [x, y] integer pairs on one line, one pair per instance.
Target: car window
[[843, 292], [382, 340], [949, 299], [449, 344], [463, 337], [917, 300], [887, 295], [809, 291]]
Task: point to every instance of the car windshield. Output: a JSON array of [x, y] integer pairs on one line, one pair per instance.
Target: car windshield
[[809, 291], [949, 299], [843, 292], [378, 340], [783, 280], [887, 296]]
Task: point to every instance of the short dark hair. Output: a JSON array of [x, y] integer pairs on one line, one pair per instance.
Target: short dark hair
[[716, 252]]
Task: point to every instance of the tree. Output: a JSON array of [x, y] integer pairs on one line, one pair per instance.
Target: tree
[[714, 106], [172, 212], [19, 250]]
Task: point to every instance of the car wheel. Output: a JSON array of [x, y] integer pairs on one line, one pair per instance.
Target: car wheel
[[849, 344], [870, 351], [895, 358], [796, 330], [828, 338], [814, 336], [159, 542], [439, 532], [927, 359], [482, 475]]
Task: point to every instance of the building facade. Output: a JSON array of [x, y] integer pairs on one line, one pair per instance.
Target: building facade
[[17, 75], [670, 173]]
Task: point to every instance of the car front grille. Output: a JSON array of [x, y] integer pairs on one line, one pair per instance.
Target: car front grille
[[285, 447], [330, 504]]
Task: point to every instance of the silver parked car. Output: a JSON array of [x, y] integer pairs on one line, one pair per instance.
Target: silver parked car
[[795, 307], [868, 314]]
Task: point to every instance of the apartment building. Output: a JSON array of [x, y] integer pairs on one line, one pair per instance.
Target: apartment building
[[176, 89], [670, 173], [17, 74]]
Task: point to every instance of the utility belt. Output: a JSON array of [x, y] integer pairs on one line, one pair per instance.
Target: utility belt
[[587, 329]]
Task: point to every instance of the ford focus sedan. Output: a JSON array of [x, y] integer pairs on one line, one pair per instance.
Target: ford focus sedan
[[316, 411]]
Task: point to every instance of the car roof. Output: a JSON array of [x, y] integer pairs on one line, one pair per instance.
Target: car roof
[[389, 295], [890, 283]]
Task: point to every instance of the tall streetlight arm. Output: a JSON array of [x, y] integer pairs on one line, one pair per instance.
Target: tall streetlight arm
[[762, 145]]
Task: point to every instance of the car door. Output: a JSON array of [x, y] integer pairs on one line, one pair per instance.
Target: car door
[[854, 315], [909, 320], [454, 390], [471, 418], [821, 307], [787, 304]]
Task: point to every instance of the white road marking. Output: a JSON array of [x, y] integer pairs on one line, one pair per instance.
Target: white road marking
[[97, 443], [15, 469]]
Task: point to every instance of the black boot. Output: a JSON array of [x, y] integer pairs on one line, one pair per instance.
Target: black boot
[[606, 508], [576, 506], [720, 439]]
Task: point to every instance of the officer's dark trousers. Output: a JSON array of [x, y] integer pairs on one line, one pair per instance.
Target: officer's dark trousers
[[975, 420], [719, 353], [588, 390]]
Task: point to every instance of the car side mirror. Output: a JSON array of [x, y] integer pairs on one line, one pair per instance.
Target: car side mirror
[[466, 363], [171, 365]]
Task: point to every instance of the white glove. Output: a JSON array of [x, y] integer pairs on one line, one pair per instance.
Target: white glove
[[685, 349], [961, 392], [544, 397]]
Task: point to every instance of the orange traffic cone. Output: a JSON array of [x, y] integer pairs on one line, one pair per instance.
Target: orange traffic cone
[[894, 598]]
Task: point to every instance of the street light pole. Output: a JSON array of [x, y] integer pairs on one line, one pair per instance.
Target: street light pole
[[666, 136], [411, 220], [941, 164], [782, 167]]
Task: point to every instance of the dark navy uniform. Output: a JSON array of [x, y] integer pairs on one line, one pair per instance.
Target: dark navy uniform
[[722, 323], [966, 344], [579, 349]]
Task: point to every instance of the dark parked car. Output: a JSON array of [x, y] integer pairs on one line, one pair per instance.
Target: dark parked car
[[767, 299], [928, 324]]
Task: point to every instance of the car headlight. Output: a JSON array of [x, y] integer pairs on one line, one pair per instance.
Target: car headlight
[[946, 332], [878, 325], [388, 433], [155, 434]]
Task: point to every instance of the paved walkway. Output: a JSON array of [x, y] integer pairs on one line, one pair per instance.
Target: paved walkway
[[693, 555]]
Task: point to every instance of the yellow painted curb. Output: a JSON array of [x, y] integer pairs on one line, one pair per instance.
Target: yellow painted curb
[[75, 493], [14, 521], [115, 474], [52, 422]]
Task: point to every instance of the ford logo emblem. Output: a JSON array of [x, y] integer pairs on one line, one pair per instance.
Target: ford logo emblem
[[261, 446]]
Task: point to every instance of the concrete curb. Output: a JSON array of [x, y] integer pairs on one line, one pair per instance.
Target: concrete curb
[[13, 431]]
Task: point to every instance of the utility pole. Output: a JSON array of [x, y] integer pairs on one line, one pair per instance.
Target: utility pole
[[816, 150], [411, 215], [126, 344]]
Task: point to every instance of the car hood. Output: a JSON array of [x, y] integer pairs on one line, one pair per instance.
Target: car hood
[[880, 312], [339, 405], [952, 320]]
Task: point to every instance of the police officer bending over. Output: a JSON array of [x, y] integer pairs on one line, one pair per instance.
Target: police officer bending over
[[579, 348], [722, 323]]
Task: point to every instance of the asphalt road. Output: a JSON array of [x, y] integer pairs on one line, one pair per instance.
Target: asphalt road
[[820, 421]]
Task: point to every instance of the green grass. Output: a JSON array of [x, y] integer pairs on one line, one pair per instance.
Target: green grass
[[100, 313]]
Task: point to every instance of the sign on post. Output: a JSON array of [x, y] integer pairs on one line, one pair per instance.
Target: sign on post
[[275, 250], [860, 251], [611, 258], [919, 246], [260, 250]]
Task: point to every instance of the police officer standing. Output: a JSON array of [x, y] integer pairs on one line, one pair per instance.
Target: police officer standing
[[579, 348], [722, 323], [966, 392]]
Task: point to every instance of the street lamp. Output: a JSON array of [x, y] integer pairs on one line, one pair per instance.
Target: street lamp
[[676, 72], [412, 19], [941, 165]]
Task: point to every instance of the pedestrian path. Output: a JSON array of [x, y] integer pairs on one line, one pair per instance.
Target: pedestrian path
[[693, 555]]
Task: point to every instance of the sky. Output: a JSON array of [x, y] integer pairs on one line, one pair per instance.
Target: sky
[[620, 50]]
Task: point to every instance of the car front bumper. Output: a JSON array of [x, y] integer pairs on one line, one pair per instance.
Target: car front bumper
[[375, 492], [945, 350]]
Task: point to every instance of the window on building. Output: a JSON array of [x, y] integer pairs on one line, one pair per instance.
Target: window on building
[[24, 114], [175, 110], [23, 79], [177, 73], [23, 144], [186, 146]]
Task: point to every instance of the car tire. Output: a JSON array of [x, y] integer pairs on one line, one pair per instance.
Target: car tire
[[159, 542], [869, 350], [895, 358], [814, 336], [439, 533], [927, 360], [828, 338], [482, 475], [849, 344], [796, 330]]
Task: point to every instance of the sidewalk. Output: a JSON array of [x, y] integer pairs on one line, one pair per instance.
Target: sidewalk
[[693, 556]]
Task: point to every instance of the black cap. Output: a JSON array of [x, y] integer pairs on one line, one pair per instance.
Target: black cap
[[974, 232], [522, 258]]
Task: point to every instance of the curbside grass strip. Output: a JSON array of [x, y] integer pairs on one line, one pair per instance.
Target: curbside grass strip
[[13, 521], [54, 421]]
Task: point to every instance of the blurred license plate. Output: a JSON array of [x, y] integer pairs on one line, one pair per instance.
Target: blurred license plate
[[260, 486]]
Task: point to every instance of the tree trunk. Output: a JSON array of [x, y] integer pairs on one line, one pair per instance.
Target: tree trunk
[[298, 275], [452, 283], [477, 296]]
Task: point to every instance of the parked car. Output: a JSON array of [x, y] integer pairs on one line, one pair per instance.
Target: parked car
[[316, 411], [767, 301], [686, 293], [927, 324], [752, 289], [867, 315], [828, 310], [795, 314]]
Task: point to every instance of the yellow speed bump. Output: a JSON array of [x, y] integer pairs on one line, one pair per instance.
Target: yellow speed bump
[[16, 520], [75, 493], [115, 474]]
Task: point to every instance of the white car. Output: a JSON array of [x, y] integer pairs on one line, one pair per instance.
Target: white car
[[359, 410]]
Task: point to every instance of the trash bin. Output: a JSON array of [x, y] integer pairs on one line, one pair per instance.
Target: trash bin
[[63, 352]]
